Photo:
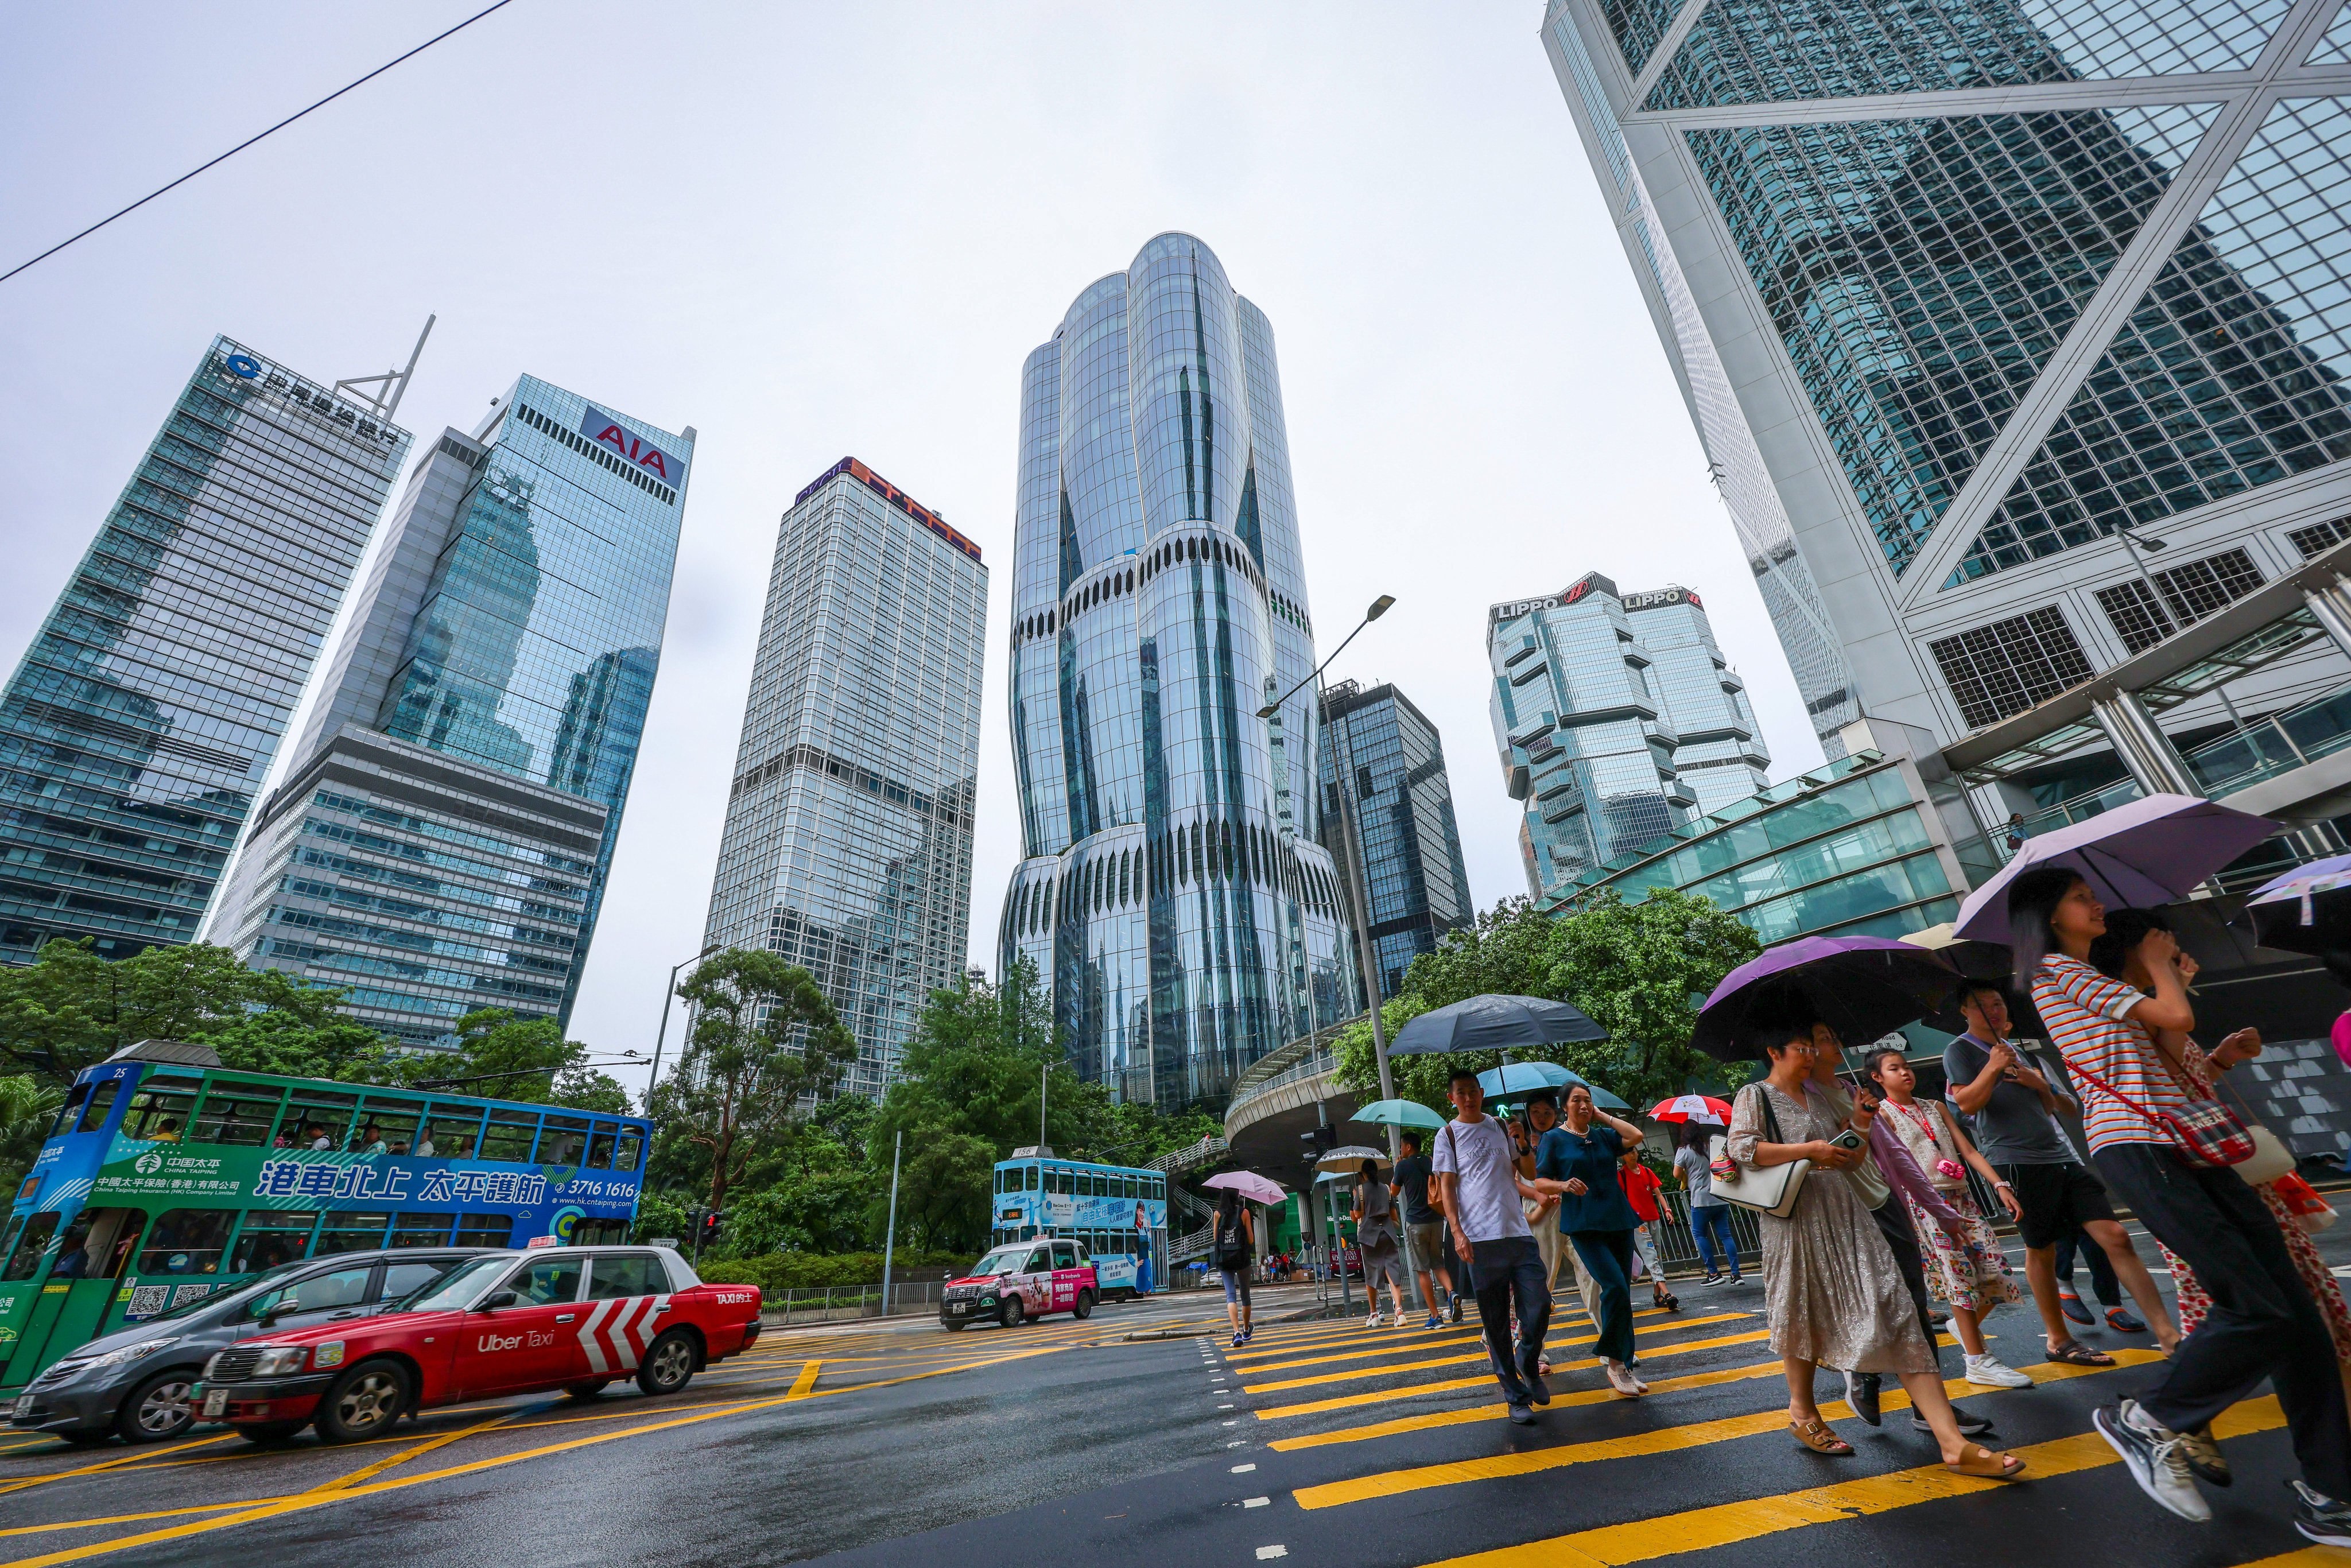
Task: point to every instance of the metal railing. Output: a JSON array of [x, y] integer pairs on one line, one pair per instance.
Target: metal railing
[[2275, 744], [1200, 1154], [829, 1303]]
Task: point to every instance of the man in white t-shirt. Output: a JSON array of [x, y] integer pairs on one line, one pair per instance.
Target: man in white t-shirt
[[1481, 1189]]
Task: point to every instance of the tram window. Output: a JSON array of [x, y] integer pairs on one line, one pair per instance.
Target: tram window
[[31, 1242], [451, 1132], [318, 1114], [394, 1123], [102, 1101], [236, 1115], [159, 1114], [509, 1137], [599, 1149], [70, 1109], [270, 1237], [351, 1233], [187, 1242], [625, 1152], [484, 1230], [422, 1229], [564, 1139], [1031, 1176], [98, 1244]]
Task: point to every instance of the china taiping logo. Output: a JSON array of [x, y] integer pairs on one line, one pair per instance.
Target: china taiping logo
[[147, 1163]]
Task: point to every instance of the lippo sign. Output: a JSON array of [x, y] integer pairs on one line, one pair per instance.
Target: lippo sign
[[613, 436]]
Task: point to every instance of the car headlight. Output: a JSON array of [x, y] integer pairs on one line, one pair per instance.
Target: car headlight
[[128, 1352], [279, 1360]]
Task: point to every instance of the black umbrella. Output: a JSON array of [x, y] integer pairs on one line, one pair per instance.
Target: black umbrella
[[1861, 986], [1495, 1023], [2307, 910]]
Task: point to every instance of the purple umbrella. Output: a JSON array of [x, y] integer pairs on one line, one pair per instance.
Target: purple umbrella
[[2134, 857], [1862, 987]]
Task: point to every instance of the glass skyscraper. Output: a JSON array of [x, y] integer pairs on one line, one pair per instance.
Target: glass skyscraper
[[849, 828], [1617, 720], [148, 709], [1958, 290], [443, 839], [1173, 892], [1381, 747]]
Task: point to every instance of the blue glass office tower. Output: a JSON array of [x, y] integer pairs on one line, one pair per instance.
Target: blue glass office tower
[[443, 839], [1173, 890], [1388, 755], [1617, 720], [1958, 292], [849, 826], [147, 711]]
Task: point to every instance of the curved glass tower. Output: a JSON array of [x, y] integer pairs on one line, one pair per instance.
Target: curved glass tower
[[1172, 892]]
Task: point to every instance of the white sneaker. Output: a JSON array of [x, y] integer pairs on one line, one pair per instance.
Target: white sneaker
[[1622, 1381], [1991, 1372], [2155, 1457], [1373, 1322]]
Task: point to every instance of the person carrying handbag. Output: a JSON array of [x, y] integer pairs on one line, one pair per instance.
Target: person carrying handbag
[[1832, 1288], [2152, 1146]]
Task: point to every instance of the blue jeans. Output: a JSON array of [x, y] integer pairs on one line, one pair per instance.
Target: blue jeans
[[1500, 1268], [1710, 1228]]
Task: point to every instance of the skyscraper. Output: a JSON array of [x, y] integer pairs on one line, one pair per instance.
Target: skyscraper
[[1958, 291], [1378, 744], [1618, 719], [442, 840], [1172, 890], [849, 828], [148, 709]]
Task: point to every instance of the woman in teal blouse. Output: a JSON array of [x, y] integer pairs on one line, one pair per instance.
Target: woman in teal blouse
[[1577, 1160]]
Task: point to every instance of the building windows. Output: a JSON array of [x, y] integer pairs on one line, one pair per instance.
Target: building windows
[[2190, 592], [2008, 665], [2320, 537]]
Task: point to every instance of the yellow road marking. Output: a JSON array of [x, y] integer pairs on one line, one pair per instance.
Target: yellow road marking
[[1722, 1524], [805, 1382], [1473, 1339], [107, 1464], [1648, 1354], [1482, 1412], [367, 1472], [278, 1507], [1355, 1334], [133, 1518]]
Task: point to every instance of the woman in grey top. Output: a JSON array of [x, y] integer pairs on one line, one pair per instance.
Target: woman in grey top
[[1709, 1215], [1833, 1288], [1375, 1233]]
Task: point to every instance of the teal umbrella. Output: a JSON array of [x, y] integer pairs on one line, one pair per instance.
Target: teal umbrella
[[1398, 1114], [1514, 1078], [1600, 1097]]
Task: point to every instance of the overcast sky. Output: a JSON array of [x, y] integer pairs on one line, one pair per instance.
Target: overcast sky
[[820, 229]]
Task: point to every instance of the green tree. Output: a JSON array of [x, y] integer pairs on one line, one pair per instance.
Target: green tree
[[943, 1191], [764, 1039], [28, 1105], [509, 1058], [975, 1064]]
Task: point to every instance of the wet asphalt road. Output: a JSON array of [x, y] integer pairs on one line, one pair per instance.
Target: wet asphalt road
[[1320, 1442]]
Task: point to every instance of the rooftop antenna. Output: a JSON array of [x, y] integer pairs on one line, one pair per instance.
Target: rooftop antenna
[[394, 382]]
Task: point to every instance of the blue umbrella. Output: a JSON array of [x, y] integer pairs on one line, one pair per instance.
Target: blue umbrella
[[1495, 1023], [1518, 1077]]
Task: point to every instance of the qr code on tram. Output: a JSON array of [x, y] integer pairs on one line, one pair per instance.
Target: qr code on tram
[[183, 1294], [146, 1300]]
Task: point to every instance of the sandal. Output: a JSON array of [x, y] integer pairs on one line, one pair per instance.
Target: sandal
[[2074, 1353], [1976, 1460], [1672, 1303], [1815, 1435]]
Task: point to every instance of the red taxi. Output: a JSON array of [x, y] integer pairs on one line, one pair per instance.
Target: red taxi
[[1023, 1279], [574, 1318]]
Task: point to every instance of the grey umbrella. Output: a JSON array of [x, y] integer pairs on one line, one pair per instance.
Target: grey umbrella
[[1495, 1023]]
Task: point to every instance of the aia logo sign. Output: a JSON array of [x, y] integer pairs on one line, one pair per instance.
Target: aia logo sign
[[617, 438]]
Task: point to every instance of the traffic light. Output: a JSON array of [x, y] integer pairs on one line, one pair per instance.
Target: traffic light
[[711, 1219], [1318, 1141]]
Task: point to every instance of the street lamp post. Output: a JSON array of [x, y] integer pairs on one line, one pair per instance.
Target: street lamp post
[[1356, 893], [663, 1034]]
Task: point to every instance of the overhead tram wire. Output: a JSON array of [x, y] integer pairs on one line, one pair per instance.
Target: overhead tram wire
[[498, 5]]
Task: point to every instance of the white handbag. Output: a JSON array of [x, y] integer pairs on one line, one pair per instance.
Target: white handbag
[[2271, 1158], [1766, 1189]]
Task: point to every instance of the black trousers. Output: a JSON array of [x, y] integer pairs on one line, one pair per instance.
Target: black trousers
[[2103, 1283], [2263, 1323], [1462, 1288], [1893, 1218], [1513, 1266]]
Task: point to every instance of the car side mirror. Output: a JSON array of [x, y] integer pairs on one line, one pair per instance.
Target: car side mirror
[[496, 1300]]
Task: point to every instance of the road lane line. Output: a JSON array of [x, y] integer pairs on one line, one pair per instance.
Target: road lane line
[[367, 1472], [1959, 1388], [1474, 1339], [135, 1518], [136, 1457], [805, 1382], [1356, 1335], [1649, 1352], [302, 1502], [1726, 1524]]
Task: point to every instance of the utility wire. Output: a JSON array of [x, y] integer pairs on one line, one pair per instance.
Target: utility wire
[[249, 140]]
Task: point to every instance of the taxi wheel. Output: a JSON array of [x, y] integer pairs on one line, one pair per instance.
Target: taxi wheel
[[587, 1390], [363, 1402], [669, 1364], [161, 1407], [1012, 1313], [1084, 1307]]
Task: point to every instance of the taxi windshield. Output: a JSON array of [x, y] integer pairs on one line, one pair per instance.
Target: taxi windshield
[[1003, 1260], [453, 1291]]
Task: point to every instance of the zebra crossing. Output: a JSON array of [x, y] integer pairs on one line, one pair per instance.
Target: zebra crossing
[[1374, 1445]]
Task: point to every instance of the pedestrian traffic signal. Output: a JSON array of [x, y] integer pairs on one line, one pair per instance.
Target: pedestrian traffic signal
[[1320, 1140], [708, 1222]]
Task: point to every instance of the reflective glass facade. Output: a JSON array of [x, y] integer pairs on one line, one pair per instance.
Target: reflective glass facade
[[849, 826], [489, 693], [1172, 890], [1385, 754], [1966, 285], [150, 706], [1609, 738]]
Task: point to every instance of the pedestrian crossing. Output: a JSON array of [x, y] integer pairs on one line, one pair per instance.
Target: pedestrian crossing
[[1398, 1436]]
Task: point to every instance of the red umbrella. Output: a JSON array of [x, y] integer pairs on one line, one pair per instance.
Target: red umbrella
[[1692, 1108]]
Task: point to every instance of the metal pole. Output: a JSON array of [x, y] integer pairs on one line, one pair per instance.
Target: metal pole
[[661, 1035], [1044, 1075], [890, 1241], [1359, 894]]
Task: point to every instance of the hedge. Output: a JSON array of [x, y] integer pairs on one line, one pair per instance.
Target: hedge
[[780, 1271]]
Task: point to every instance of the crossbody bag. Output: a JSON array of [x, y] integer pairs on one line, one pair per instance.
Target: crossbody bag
[[2207, 1132], [1766, 1189]]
